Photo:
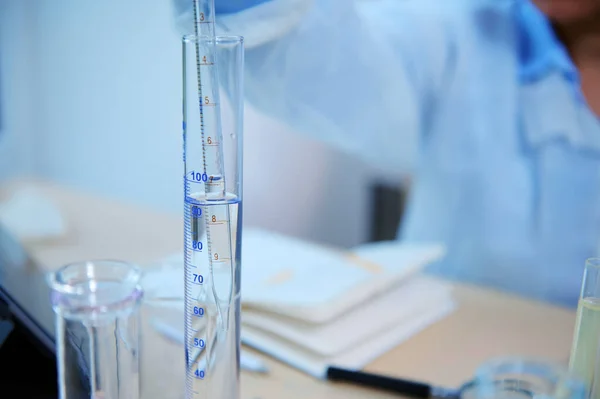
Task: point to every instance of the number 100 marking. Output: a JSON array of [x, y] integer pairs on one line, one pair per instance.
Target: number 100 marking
[[200, 177]]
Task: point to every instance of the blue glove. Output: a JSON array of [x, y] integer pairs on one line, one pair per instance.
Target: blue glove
[[233, 6]]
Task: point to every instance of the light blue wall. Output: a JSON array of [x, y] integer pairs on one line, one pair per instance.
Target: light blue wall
[[109, 74], [17, 85]]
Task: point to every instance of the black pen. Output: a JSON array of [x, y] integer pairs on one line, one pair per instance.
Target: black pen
[[401, 386]]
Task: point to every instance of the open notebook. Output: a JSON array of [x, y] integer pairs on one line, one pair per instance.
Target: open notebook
[[311, 306]]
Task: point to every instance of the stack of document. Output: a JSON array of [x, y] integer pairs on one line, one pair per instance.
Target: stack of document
[[313, 307]]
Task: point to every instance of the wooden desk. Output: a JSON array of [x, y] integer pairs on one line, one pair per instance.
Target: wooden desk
[[486, 324]]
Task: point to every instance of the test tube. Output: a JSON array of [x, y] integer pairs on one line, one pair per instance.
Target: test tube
[[97, 308], [584, 360]]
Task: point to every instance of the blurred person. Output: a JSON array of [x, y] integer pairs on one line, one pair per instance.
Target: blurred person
[[490, 106]]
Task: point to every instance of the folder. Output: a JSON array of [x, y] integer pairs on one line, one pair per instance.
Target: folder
[[312, 306]]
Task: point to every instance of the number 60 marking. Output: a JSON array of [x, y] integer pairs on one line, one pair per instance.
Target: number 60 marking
[[198, 311]]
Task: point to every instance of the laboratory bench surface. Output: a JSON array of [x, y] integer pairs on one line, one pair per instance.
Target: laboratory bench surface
[[486, 323]]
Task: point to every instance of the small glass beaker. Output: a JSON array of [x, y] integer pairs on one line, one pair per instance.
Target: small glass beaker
[[97, 329], [522, 378], [584, 360]]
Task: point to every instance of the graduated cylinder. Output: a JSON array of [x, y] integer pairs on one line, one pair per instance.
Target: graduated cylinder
[[212, 136]]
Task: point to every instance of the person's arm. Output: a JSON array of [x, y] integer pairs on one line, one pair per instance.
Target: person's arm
[[361, 75]]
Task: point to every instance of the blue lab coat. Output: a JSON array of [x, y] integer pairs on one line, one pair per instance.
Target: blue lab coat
[[477, 100]]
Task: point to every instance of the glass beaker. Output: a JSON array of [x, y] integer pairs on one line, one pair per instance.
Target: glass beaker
[[584, 352], [212, 137], [522, 378], [97, 329]]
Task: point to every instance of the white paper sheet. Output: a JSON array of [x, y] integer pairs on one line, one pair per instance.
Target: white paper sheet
[[306, 281], [313, 307], [364, 322], [356, 358], [416, 313]]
